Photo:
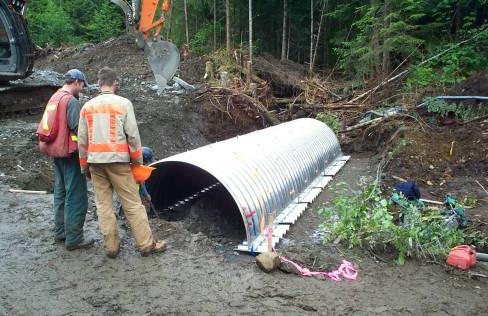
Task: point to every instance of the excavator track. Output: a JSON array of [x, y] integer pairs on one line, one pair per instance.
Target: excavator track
[[24, 98], [30, 94]]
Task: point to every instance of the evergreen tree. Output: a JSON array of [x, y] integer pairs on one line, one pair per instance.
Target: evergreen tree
[[107, 22]]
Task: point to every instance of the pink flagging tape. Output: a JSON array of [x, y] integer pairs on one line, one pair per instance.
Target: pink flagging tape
[[345, 270]]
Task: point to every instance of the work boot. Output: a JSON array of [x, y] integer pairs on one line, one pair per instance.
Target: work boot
[[85, 243], [156, 247], [113, 254], [59, 239]]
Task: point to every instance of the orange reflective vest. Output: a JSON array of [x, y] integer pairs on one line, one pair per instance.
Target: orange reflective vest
[[107, 131], [56, 139]]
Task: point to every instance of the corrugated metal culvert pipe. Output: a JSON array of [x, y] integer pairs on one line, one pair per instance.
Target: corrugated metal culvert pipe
[[270, 175]]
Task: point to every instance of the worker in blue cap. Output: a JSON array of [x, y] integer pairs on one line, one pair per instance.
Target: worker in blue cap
[[57, 133]]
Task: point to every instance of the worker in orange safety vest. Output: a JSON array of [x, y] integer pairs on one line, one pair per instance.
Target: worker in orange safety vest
[[108, 140]]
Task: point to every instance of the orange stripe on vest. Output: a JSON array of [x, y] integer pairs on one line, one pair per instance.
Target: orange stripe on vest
[[108, 148], [105, 109], [136, 154]]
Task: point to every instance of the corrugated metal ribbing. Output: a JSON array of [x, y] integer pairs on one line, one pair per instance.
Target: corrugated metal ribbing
[[263, 171]]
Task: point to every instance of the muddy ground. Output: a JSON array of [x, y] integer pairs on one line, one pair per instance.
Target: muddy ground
[[200, 273], [199, 276]]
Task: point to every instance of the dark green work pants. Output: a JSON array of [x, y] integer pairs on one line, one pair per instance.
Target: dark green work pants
[[70, 200]]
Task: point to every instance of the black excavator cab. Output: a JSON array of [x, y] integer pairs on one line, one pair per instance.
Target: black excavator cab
[[16, 48]]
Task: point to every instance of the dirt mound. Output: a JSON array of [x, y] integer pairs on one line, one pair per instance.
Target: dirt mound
[[450, 161], [119, 53], [285, 77], [446, 153], [475, 85]]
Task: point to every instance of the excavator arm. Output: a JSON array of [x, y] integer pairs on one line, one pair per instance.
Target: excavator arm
[[145, 17], [142, 17]]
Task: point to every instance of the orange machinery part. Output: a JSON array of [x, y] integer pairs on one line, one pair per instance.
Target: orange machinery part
[[148, 12]]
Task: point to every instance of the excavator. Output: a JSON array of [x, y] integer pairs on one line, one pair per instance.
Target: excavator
[[143, 17]]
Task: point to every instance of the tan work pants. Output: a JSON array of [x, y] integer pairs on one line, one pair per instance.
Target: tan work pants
[[117, 176]]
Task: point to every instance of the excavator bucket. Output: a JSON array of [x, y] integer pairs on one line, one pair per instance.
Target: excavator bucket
[[164, 59], [163, 56]]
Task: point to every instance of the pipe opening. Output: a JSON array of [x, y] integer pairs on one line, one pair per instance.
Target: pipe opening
[[183, 192]]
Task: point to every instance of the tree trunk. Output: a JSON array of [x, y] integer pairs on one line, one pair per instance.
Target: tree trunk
[[170, 26], [250, 31], [326, 38], [227, 26], [311, 37], [385, 65], [283, 39], [288, 42], [375, 42], [186, 23], [215, 25], [318, 35], [250, 45]]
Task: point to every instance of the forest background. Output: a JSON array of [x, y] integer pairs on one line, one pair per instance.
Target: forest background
[[357, 39]]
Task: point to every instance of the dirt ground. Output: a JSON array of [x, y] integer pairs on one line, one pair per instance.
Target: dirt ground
[[448, 161], [197, 275], [200, 273]]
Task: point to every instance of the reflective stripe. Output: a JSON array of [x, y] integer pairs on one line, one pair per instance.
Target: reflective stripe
[[74, 138], [89, 122], [136, 154], [108, 148], [105, 109], [45, 117], [113, 129]]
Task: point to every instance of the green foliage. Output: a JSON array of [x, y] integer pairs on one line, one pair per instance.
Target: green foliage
[[367, 219], [457, 110], [202, 41], [331, 120], [361, 219], [50, 24], [421, 77], [71, 22], [365, 38], [400, 147], [107, 22], [454, 66], [383, 32], [469, 201]]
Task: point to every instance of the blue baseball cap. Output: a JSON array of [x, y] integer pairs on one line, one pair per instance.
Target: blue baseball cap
[[76, 74], [147, 155]]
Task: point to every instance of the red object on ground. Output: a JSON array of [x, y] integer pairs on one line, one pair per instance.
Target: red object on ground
[[463, 257]]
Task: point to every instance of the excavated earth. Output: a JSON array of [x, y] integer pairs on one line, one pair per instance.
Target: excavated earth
[[200, 273]]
